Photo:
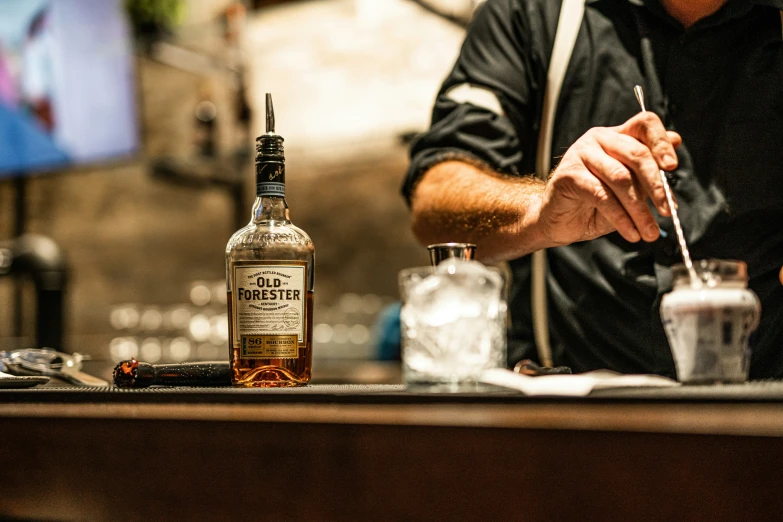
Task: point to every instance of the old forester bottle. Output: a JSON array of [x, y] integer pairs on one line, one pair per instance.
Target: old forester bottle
[[269, 272]]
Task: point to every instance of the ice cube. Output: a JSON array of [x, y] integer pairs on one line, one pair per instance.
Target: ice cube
[[456, 290], [453, 321], [470, 271]]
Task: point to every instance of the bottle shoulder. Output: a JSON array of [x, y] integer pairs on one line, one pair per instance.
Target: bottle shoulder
[[271, 235]]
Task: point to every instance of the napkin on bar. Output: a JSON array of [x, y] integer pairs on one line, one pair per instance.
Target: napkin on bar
[[577, 385]]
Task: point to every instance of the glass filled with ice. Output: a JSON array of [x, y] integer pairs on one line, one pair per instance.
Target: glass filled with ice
[[453, 322], [708, 321]]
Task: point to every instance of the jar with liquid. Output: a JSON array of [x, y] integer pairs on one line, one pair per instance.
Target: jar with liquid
[[708, 321]]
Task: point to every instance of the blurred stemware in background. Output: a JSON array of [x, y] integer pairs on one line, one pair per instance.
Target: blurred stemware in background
[[197, 330]]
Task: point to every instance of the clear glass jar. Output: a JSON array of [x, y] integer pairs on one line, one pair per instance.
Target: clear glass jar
[[453, 323], [709, 322]]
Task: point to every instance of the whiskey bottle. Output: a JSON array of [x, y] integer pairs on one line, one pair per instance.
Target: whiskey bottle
[[269, 275]]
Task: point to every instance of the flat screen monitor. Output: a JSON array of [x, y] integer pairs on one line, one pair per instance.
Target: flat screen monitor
[[67, 93]]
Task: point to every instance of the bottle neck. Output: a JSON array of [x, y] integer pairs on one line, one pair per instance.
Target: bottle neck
[[270, 202], [270, 208]]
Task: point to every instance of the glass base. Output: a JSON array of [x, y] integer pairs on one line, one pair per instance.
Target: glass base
[[702, 380]]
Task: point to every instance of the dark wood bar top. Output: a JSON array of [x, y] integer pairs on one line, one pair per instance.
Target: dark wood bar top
[[386, 453], [753, 409], [760, 419]]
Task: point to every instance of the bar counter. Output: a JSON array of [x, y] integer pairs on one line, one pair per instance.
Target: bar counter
[[362, 452]]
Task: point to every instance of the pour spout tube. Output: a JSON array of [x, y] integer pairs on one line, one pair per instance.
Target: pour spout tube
[[270, 114]]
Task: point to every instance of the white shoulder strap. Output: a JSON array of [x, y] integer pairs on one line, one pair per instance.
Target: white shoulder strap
[[571, 13]]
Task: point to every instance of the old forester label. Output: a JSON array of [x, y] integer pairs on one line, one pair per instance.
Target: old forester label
[[269, 308]]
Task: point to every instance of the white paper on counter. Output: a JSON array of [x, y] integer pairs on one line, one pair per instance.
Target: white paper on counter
[[575, 385]]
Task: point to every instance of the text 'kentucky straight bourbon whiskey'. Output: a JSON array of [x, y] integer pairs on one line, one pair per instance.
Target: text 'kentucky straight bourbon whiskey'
[[269, 275]]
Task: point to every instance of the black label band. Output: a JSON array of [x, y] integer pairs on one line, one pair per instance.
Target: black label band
[[270, 178], [270, 172]]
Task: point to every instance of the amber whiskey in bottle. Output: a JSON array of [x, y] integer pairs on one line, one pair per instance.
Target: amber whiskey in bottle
[[269, 275]]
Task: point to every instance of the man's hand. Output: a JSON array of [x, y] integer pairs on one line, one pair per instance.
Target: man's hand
[[604, 181], [602, 184]]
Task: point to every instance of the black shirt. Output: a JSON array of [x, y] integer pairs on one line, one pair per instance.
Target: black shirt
[[719, 84]]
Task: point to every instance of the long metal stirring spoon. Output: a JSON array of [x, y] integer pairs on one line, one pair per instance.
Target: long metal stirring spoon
[[686, 255]]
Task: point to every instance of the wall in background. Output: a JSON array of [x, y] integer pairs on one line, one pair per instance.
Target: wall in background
[[6, 231], [134, 239]]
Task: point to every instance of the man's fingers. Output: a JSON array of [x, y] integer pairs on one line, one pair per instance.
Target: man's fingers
[[603, 182], [617, 178], [600, 196], [639, 159], [674, 138], [648, 128]]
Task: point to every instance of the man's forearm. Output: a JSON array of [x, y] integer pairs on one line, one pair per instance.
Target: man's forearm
[[455, 201]]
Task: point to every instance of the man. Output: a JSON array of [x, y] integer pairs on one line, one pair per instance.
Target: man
[[712, 71]]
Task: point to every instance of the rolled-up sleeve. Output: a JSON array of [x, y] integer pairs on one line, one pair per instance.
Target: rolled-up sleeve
[[483, 111]]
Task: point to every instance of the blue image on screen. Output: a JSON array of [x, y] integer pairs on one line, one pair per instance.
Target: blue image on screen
[[66, 84]]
